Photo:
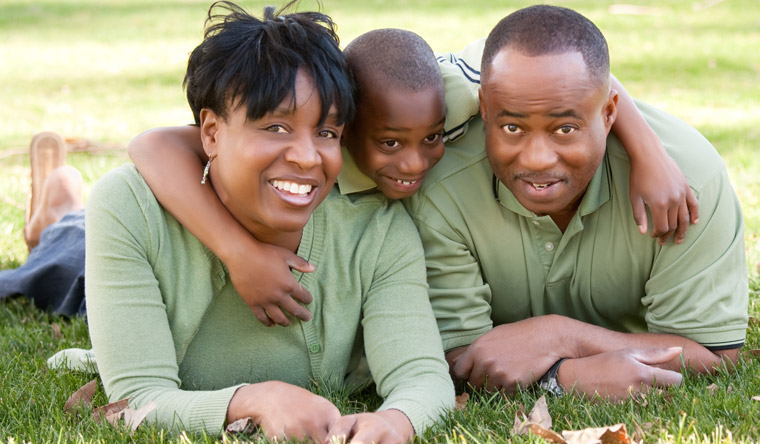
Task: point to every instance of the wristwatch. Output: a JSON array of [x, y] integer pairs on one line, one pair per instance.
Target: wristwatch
[[548, 382]]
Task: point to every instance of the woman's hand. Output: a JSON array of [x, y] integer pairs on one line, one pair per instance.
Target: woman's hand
[[261, 275], [384, 427], [284, 410]]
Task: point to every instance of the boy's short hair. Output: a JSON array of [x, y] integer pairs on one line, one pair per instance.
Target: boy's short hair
[[393, 58], [544, 29], [253, 62]]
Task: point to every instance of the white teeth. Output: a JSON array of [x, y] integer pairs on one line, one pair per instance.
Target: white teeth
[[540, 186], [292, 187], [405, 182]]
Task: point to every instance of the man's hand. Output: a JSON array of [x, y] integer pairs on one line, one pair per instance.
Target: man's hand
[[284, 411], [661, 185], [512, 354], [618, 374], [263, 278], [385, 427]]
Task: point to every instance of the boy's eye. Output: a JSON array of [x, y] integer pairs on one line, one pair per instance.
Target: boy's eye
[[328, 134], [276, 129], [565, 130], [432, 138], [511, 128], [391, 143]]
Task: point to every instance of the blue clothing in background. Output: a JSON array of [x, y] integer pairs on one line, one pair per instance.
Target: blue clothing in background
[[53, 275]]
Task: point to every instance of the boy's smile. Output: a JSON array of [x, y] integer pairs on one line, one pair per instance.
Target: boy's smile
[[396, 137]]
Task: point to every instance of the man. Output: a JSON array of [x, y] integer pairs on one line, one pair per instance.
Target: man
[[534, 264]]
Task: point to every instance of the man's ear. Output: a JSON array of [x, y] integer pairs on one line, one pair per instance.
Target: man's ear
[[610, 109], [209, 127], [482, 103]]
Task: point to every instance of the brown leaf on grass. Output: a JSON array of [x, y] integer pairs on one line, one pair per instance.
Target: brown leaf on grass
[[615, 434], [56, 330], [537, 422], [461, 401], [754, 352], [82, 396], [712, 388], [753, 320], [243, 425], [134, 417], [109, 410]]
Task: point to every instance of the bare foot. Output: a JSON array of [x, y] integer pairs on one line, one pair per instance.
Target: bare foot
[[61, 194]]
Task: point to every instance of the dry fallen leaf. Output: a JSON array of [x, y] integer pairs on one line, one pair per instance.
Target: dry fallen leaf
[[538, 422], [109, 410], [615, 434], [82, 396], [461, 401], [754, 352], [243, 425], [134, 417], [712, 388], [56, 330]]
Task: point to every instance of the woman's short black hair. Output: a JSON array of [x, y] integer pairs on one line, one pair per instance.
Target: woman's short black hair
[[253, 62]]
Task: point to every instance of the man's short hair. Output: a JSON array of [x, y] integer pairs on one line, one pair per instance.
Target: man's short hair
[[544, 29], [254, 62], [393, 58]]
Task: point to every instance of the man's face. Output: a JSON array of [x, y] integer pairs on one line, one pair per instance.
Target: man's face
[[546, 125], [396, 137], [272, 172]]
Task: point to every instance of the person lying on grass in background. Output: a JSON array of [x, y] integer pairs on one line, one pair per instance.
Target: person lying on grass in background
[[270, 98], [397, 136], [534, 264]]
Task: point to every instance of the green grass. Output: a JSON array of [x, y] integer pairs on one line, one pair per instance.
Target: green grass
[[105, 70]]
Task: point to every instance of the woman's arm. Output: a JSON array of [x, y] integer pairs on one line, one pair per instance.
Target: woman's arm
[[656, 180], [171, 162]]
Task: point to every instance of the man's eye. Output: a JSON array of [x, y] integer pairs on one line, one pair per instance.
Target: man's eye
[[512, 128], [432, 138], [565, 130], [391, 143], [276, 129], [328, 134]]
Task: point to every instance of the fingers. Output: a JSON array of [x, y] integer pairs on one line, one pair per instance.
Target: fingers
[[463, 368], [262, 316], [640, 214], [657, 356], [276, 315], [693, 205], [302, 295], [298, 263], [683, 222], [665, 224], [294, 308], [341, 430]]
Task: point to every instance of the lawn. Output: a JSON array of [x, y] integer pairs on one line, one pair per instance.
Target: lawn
[[99, 72]]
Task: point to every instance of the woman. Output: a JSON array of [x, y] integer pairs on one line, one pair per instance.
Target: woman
[[270, 97]]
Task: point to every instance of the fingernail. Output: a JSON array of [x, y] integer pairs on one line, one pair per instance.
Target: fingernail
[[680, 349], [641, 229]]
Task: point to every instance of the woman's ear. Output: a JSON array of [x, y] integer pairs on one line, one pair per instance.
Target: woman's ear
[[209, 126]]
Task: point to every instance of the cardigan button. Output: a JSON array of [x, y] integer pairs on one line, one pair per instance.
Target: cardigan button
[[314, 348]]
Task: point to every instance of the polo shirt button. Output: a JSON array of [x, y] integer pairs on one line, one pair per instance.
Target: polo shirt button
[[314, 348], [548, 246]]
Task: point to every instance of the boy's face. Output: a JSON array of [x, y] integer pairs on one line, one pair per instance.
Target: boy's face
[[272, 172], [396, 137]]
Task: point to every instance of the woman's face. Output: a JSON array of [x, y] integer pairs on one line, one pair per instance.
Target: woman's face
[[272, 172]]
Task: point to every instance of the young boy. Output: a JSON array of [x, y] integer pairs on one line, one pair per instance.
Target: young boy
[[396, 137]]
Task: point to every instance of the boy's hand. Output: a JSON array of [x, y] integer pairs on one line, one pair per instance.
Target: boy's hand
[[262, 276], [385, 427], [662, 186]]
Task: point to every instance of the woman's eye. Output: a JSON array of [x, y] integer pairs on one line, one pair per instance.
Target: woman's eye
[[512, 128], [276, 129], [328, 134], [391, 143], [432, 138], [565, 130]]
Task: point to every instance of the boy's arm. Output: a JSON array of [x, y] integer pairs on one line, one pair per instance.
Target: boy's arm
[[171, 162], [656, 180]]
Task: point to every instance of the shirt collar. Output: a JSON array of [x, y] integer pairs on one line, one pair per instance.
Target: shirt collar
[[351, 179]]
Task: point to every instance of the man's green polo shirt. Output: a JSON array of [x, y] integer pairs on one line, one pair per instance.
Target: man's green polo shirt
[[490, 261]]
